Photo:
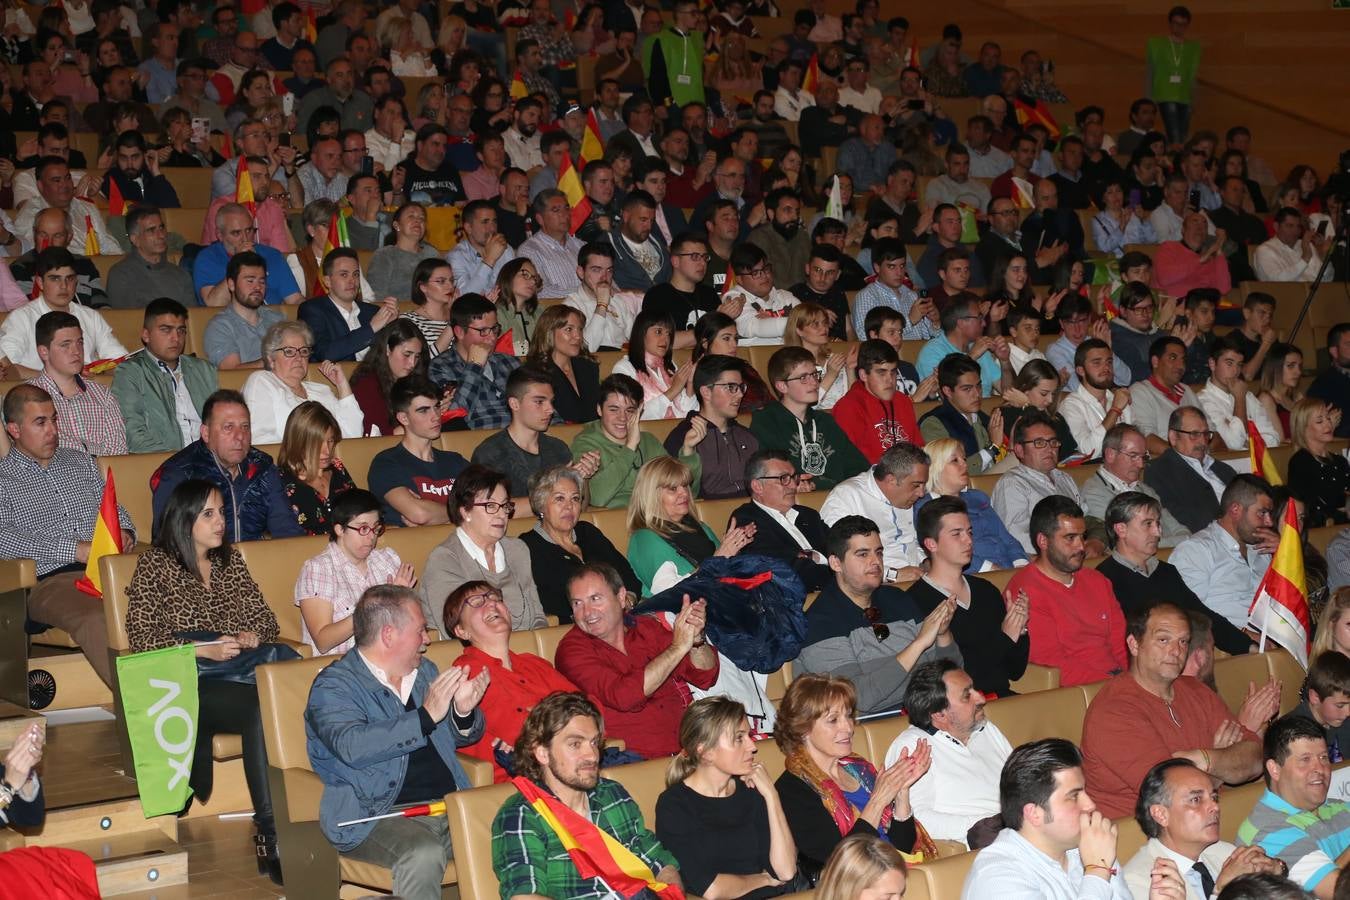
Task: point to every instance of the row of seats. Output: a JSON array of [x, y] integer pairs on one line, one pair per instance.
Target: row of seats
[[284, 689]]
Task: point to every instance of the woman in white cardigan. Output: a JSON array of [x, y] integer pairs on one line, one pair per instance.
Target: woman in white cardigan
[[667, 390], [281, 386]]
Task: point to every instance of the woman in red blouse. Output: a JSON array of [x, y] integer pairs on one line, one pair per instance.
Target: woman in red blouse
[[476, 614]]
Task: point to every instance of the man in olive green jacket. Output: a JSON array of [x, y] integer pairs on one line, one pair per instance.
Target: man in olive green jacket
[[160, 390]]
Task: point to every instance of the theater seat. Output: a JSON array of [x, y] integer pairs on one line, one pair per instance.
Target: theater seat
[[131, 476], [945, 877], [1235, 804], [1037, 678], [1291, 676], [1233, 675], [1129, 838], [470, 816], [547, 640], [1027, 717], [875, 736], [644, 781]]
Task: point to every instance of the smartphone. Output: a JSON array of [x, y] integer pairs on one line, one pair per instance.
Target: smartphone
[[1136, 197], [285, 139], [367, 165], [201, 127], [1195, 200]]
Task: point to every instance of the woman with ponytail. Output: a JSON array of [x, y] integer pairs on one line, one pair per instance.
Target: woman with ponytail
[[720, 814], [829, 793]]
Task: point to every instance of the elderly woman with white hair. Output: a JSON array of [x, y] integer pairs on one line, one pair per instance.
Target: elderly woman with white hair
[[281, 386]]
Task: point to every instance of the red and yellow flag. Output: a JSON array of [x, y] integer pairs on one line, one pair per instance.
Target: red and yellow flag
[[243, 188], [570, 184], [1280, 608], [337, 234], [91, 247], [811, 79], [594, 851], [729, 281], [311, 26], [1036, 115], [518, 89], [1022, 193], [107, 540], [117, 204], [592, 147], [1263, 465]]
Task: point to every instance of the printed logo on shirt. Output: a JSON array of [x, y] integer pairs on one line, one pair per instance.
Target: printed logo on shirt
[[432, 488], [891, 433]]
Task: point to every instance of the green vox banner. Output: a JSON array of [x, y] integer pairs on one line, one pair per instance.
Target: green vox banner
[[159, 699]]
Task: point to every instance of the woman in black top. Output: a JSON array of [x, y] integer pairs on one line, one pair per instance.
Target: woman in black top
[[562, 543], [558, 347], [720, 813], [1318, 475]]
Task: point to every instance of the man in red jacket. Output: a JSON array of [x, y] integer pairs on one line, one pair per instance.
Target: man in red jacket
[[873, 414]]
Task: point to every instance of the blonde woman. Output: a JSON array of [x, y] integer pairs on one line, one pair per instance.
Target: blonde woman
[[735, 73], [281, 386], [666, 540], [1333, 626], [808, 326], [948, 476], [720, 813], [312, 475], [863, 866], [1318, 474], [406, 55]]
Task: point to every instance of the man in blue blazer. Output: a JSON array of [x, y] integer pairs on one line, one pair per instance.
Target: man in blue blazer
[[641, 258], [382, 726], [343, 326]]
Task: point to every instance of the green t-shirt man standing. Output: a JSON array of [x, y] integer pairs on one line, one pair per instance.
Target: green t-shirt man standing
[[673, 59], [1172, 65]]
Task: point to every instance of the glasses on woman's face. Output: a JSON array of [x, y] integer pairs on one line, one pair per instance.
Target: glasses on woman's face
[[492, 507], [293, 352], [366, 530], [880, 629], [477, 601]]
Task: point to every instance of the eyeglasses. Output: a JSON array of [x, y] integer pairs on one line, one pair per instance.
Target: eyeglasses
[[824, 273], [700, 256], [492, 507], [786, 479], [293, 352], [1207, 435], [485, 330], [366, 530], [762, 272], [731, 387], [1042, 443], [1141, 308], [478, 601], [880, 629], [807, 377], [239, 232], [1137, 457]]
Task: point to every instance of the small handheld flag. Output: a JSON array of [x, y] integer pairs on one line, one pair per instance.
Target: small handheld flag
[[592, 147], [1022, 194], [107, 540], [834, 206], [1263, 465], [729, 283], [243, 188], [518, 89], [117, 204], [91, 246], [1280, 608], [811, 80], [412, 812], [1036, 115]]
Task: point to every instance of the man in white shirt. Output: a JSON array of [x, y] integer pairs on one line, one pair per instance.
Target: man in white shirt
[[1170, 214], [986, 160], [1295, 253], [1020, 489], [955, 187], [389, 141], [968, 751], [1154, 400], [1076, 323], [56, 190], [552, 248], [763, 318], [1178, 812], [1055, 845], [885, 494], [1224, 562], [1227, 402], [1097, 406], [522, 138], [789, 100], [55, 274], [609, 313], [856, 92]]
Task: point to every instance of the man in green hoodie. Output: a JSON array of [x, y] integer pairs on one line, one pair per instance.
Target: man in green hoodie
[[673, 59], [624, 447], [812, 438]]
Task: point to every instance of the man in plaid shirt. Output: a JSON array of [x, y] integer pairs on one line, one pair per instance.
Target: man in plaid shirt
[[49, 501], [559, 750], [87, 415], [474, 365]]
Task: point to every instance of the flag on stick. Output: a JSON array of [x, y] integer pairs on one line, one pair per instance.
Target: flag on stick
[[107, 540], [518, 89], [425, 809], [243, 188], [592, 147], [91, 246], [1280, 608], [811, 80], [1036, 115], [1262, 463]]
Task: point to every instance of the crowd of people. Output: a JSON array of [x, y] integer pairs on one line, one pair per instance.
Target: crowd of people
[[912, 342]]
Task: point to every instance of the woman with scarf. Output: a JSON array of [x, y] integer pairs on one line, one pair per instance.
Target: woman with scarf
[[829, 793]]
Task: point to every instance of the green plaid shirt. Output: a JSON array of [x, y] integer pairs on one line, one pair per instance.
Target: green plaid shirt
[[529, 858]]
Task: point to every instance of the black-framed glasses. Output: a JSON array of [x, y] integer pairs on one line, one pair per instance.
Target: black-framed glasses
[[701, 256], [731, 387], [478, 601], [760, 272], [1042, 443], [492, 507], [485, 330], [880, 629], [293, 352], [786, 479], [366, 530], [806, 376], [1206, 434]]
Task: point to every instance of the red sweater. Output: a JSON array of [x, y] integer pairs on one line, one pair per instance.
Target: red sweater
[[875, 425], [1079, 628]]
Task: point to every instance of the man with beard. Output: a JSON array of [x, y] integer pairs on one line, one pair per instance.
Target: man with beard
[[1075, 622], [729, 179], [1097, 405], [430, 178], [782, 238], [234, 335], [558, 758], [1152, 712], [523, 138], [641, 261], [686, 184], [137, 174]]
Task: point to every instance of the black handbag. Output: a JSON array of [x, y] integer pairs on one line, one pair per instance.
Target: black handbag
[[243, 668]]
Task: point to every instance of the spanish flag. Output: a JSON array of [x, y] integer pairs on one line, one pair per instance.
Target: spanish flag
[[91, 247], [1036, 115], [107, 540], [337, 234], [1280, 608], [311, 26], [117, 204], [811, 80], [518, 89], [594, 851], [592, 147], [243, 188], [1022, 193], [728, 281], [1262, 463], [570, 184]]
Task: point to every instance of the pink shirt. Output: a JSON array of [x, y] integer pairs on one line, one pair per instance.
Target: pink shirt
[[11, 297], [1177, 270], [271, 220]]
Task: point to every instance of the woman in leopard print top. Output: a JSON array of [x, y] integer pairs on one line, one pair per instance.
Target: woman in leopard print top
[[192, 580]]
